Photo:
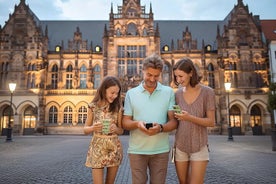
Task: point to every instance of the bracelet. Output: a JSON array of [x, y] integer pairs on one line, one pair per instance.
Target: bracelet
[[161, 128]]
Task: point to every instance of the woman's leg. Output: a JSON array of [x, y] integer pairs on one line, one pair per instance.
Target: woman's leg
[[198, 170], [182, 171], [111, 174], [97, 175]]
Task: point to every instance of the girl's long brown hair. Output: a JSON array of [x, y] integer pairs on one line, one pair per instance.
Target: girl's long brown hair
[[108, 82]]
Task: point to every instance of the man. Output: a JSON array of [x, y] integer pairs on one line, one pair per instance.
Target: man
[[148, 114]]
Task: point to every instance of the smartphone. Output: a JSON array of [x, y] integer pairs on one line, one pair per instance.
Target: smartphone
[[177, 109], [148, 125]]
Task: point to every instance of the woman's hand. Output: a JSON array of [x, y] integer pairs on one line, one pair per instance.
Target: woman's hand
[[181, 116]]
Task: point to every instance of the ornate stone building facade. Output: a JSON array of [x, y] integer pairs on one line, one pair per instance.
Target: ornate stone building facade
[[58, 65]]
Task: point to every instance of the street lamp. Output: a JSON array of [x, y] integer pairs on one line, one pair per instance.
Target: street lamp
[[227, 86], [12, 87]]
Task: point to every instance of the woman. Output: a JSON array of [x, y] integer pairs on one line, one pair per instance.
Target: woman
[[104, 121], [197, 103]]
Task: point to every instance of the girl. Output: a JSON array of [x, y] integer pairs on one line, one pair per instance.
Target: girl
[[104, 121]]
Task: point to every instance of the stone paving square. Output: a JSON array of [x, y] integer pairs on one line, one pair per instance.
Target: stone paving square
[[59, 159]]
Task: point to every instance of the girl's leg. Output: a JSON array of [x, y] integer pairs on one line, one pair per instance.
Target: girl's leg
[[198, 170], [111, 174], [182, 171], [97, 175]]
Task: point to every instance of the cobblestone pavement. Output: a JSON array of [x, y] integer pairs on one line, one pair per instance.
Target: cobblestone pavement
[[54, 159]]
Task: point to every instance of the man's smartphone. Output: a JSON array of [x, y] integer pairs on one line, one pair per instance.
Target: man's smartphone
[[148, 125]]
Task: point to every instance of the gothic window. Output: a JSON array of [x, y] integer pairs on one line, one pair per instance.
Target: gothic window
[[29, 67], [33, 80], [255, 116], [118, 32], [166, 48], [121, 68], [29, 81], [235, 81], [67, 115], [142, 51], [259, 80], [131, 29], [83, 77], [33, 67], [69, 77], [121, 51], [58, 48], [54, 77], [29, 118], [82, 114], [235, 116], [130, 60], [53, 115], [97, 76], [131, 51], [131, 67], [145, 32], [211, 77], [166, 75], [98, 48], [7, 116]]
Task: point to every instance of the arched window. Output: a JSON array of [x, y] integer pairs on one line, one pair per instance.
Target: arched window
[[67, 115], [211, 77], [83, 77], [166, 48], [33, 81], [33, 67], [131, 29], [255, 116], [53, 115], [97, 76], [69, 77], [29, 81], [7, 116], [118, 32], [29, 117], [54, 77], [145, 32], [82, 116], [166, 75], [235, 116], [98, 48]]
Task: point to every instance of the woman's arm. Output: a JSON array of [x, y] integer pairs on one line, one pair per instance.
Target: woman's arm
[[208, 121]]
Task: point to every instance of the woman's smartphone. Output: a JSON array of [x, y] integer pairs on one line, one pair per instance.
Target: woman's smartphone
[[177, 109]]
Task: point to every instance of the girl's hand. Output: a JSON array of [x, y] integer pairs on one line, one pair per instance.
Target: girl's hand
[[113, 128], [97, 127]]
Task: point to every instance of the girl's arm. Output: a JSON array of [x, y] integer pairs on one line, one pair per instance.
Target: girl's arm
[[118, 129], [89, 127]]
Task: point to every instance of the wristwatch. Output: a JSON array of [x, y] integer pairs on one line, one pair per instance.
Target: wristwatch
[[161, 127]]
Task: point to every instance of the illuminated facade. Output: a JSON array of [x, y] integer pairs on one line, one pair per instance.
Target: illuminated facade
[[58, 65]]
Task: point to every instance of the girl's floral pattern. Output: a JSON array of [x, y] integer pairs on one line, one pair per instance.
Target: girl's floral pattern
[[104, 150]]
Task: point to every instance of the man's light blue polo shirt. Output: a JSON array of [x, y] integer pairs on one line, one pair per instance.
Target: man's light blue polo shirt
[[143, 106]]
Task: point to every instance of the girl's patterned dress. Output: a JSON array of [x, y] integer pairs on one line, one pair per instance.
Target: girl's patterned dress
[[104, 150]]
